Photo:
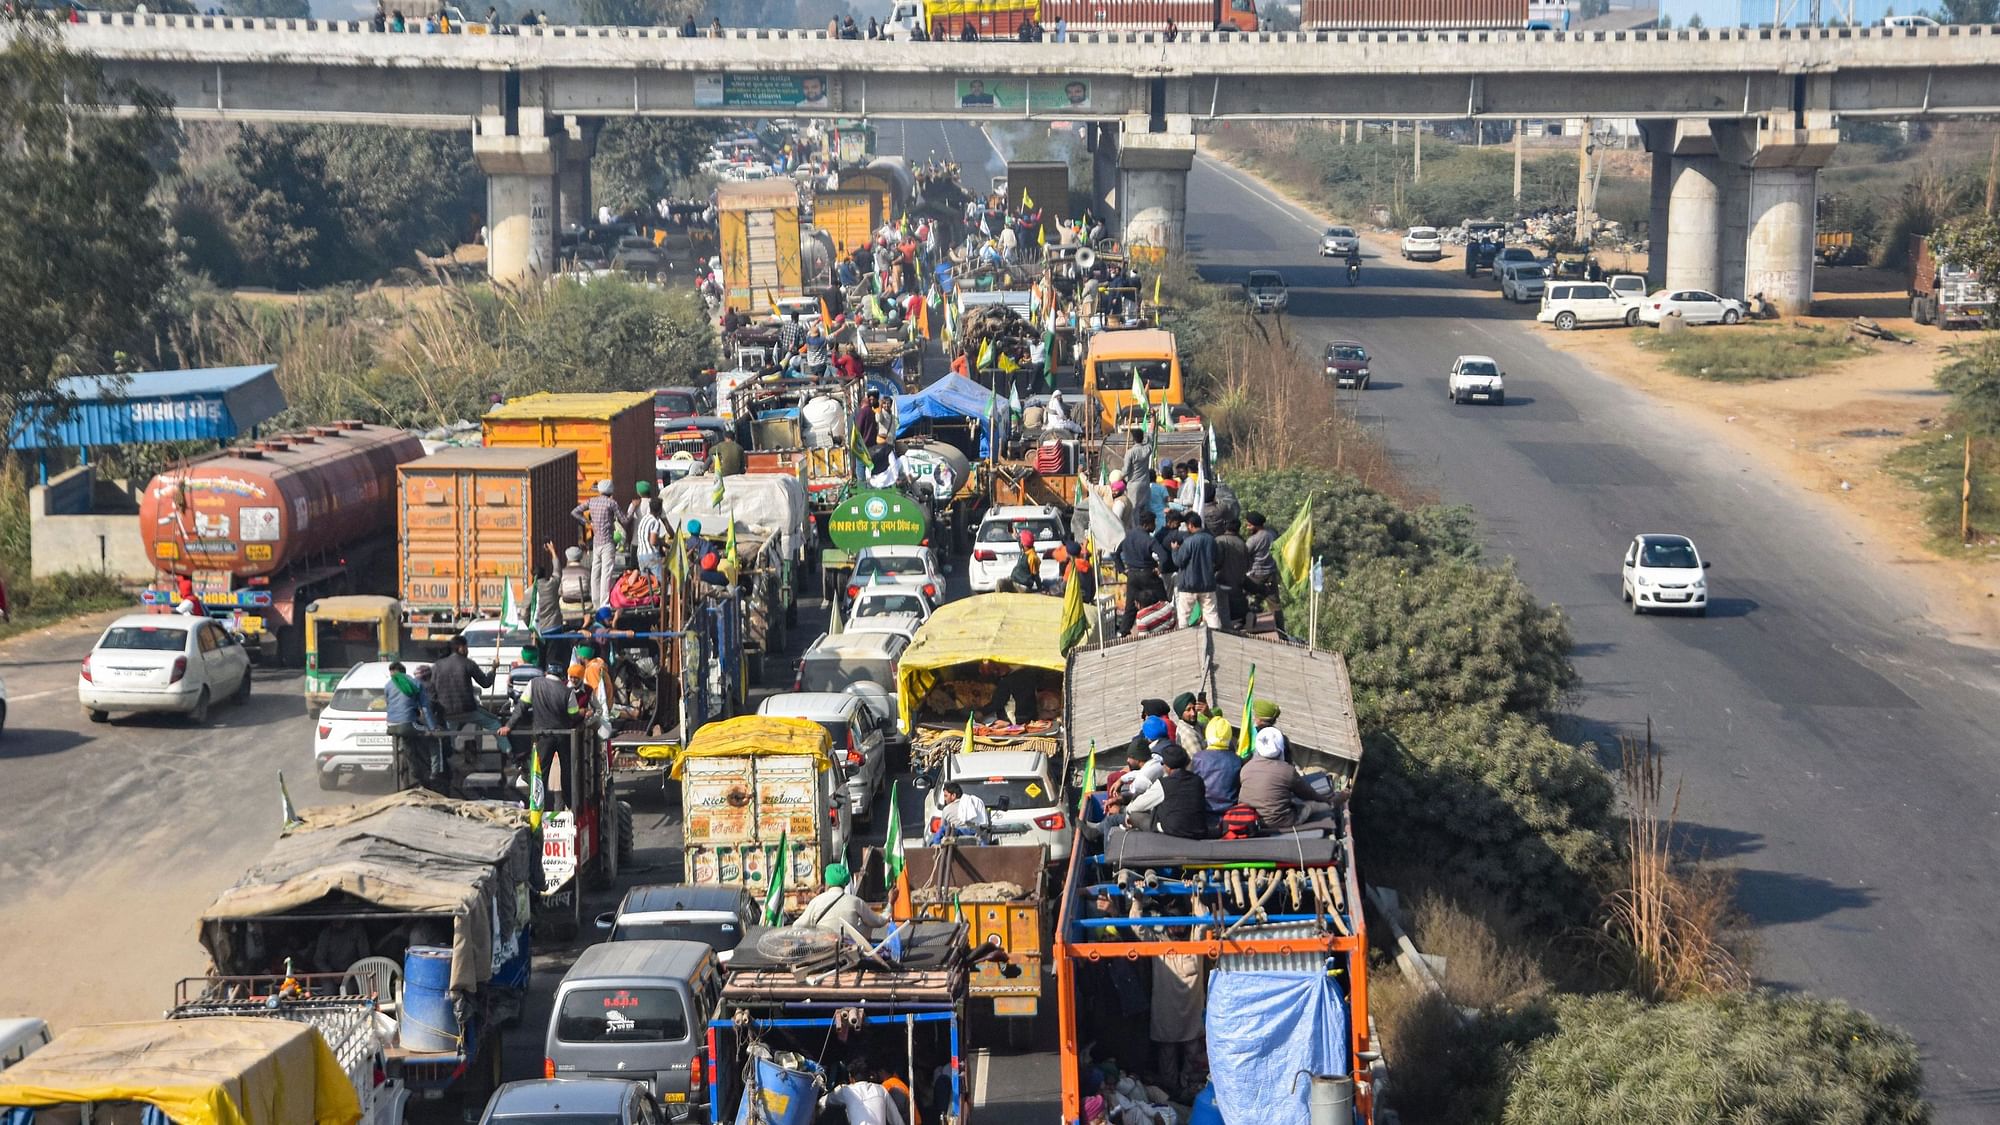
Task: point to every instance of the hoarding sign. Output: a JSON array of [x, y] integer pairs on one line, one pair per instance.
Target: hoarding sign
[[763, 91], [1053, 94]]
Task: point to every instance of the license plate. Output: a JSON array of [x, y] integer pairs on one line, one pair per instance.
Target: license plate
[[673, 1097], [371, 740], [1015, 1005]]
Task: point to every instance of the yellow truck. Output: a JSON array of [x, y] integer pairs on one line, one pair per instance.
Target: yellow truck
[[850, 218], [957, 658], [999, 890], [759, 221]]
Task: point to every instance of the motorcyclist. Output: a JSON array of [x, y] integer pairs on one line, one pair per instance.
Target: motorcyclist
[[1354, 263]]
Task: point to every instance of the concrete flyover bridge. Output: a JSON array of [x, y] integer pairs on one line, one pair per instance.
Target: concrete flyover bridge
[[1739, 121]]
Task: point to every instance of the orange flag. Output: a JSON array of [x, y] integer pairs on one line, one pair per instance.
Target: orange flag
[[901, 907]]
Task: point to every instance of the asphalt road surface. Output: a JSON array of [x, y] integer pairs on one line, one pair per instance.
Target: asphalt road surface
[[1834, 750]]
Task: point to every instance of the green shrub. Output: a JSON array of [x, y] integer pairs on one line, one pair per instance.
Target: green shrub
[[1454, 634], [1752, 352], [1755, 1057], [1353, 523], [1493, 800]]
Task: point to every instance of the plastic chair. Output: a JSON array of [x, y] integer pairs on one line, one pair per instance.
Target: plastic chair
[[380, 977]]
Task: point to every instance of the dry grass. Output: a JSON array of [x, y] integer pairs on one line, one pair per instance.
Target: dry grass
[[1487, 962], [1666, 927]]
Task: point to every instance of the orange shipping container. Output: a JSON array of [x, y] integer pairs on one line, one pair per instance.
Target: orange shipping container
[[612, 433], [1392, 15], [471, 522]]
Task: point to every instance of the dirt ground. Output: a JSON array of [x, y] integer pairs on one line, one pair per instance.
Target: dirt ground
[[1829, 433]]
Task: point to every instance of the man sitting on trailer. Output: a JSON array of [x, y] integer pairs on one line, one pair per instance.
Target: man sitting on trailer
[[837, 904], [964, 814], [866, 1101]]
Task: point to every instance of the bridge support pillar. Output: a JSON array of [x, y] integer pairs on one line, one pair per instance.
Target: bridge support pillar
[[1152, 188], [578, 145], [1694, 222], [1774, 162], [1656, 219], [520, 205]]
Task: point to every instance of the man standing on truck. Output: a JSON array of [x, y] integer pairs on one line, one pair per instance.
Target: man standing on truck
[[412, 716], [1144, 563], [601, 515], [552, 712], [1194, 577], [456, 681]]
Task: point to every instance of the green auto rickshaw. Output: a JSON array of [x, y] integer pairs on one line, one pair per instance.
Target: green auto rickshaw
[[344, 631]]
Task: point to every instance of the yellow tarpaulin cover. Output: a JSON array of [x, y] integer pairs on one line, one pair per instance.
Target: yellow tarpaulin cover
[[759, 736], [1018, 630], [219, 1070]]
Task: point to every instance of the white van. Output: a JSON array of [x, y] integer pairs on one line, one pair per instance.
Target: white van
[[21, 1038]]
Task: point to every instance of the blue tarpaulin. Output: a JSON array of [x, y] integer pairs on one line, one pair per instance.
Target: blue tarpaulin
[[1263, 1029], [955, 396]]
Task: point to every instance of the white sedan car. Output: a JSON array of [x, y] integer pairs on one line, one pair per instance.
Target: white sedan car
[[1423, 244], [1664, 572], [163, 662], [352, 735], [914, 567], [1695, 306]]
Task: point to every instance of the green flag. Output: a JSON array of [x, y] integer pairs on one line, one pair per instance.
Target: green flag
[[1292, 551], [287, 811], [1244, 735], [774, 884], [892, 843], [1089, 780]]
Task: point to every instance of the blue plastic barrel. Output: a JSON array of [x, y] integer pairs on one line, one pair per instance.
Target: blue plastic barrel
[[789, 1097], [429, 1022], [1204, 1111]]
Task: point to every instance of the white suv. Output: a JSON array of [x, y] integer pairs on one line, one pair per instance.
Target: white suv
[[352, 735], [1477, 378], [1021, 797], [1571, 304], [997, 544], [1664, 572], [1423, 244]]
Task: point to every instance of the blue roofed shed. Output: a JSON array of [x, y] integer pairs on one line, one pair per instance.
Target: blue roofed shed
[[206, 404]]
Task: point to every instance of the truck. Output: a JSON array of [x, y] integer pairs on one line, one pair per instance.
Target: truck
[[263, 529], [1416, 15], [947, 19], [850, 218], [1945, 294], [224, 1070], [1046, 183], [349, 1016], [437, 874], [1285, 957], [777, 549], [887, 178], [611, 432], [799, 428], [756, 788], [759, 223], [971, 882], [957, 659], [1151, 15], [472, 524]]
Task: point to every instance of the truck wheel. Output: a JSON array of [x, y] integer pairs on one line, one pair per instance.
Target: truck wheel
[[1917, 311], [624, 836]]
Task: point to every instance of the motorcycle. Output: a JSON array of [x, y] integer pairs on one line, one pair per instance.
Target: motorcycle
[[1353, 273]]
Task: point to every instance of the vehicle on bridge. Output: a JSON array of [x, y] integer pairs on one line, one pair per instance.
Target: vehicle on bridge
[[1477, 378], [947, 19], [1423, 244], [1151, 15], [1425, 15]]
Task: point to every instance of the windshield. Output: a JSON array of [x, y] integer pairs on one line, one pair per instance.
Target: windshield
[[1356, 355], [510, 641], [365, 700], [622, 1015], [1668, 555], [889, 566], [1480, 368], [716, 935], [674, 402], [145, 638], [827, 674], [1266, 279], [1004, 793], [1517, 254], [1116, 374], [1009, 531], [1423, 232], [343, 644], [557, 1118], [889, 605], [1340, 232], [1529, 271]]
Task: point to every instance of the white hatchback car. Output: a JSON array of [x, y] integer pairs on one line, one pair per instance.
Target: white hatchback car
[[915, 567], [1522, 282], [1022, 801], [996, 546], [887, 604], [352, 735], [163, 662], [1423, 244], [1664, 572], [1476, 378], [1693, 306]]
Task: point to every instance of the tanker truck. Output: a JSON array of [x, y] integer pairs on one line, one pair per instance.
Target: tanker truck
[[263, 529]]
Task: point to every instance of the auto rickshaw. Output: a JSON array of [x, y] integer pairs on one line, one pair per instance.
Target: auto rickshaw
[[344, 631]]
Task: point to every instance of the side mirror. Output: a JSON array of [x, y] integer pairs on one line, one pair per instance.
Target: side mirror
[[607, 919], [1705, 564]]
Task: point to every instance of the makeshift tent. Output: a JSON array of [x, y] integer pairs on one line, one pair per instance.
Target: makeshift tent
[[219, 1070], [406, 853], [759, 736], [1264, 1028], [773, 502], [1017, 630], [955, 396]]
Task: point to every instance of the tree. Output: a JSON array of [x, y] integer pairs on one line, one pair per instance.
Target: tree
[[1972, 242], [1979, 12], [402, 190], [639, 158], [1453, 634], [1353, 523], [84, 256], [1495, 800], [1743, 1057], [286, 211], [605, 336], [633, 13], [1973, 381], [272, 9]]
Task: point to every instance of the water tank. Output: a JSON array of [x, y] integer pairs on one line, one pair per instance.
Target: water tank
[[427, 1020], [824, 421]]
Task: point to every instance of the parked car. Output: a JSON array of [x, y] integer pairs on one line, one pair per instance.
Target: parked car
[[1515, 254], [1664, 572], [716, 916], [637, 254], [352, 734], [163, 662], [1522, 282], [1476, 378], [1347, 362], [1694, 306], [1571, 304], [1266, 291], [1021, 798], [573, 1101], [859, 739], [1423, 244], [997, 544], [20, 1038], [1337, 241]]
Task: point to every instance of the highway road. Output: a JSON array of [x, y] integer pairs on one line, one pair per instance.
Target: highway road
[[1835, 751]]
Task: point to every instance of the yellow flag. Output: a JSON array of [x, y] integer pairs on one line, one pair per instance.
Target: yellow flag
[[1027, 201], [729, 541], [1293, 550], [1042, 235], [1156, 288], [967, 748], [1073, 626], [1007, 363], [985, 354]]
